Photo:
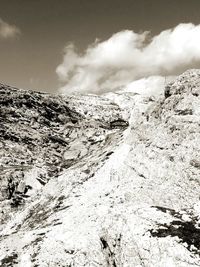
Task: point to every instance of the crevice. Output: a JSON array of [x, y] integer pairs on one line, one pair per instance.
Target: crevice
[[109, 254]]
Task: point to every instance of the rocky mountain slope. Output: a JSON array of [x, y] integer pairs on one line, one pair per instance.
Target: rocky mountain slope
[[101, 181]]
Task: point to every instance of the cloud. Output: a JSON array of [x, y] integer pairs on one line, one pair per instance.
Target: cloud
[[8, 31], [127, 56], [152, 85]]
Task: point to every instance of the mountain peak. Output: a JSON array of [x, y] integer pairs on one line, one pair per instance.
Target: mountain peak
[[188, 82]]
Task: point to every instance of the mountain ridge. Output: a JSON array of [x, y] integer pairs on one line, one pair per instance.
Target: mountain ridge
[[131, 198]]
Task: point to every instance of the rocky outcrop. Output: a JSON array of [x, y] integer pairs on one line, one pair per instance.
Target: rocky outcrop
[[42, 136], [128, 194]]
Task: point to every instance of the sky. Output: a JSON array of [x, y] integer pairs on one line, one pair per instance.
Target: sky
[[95, 46]]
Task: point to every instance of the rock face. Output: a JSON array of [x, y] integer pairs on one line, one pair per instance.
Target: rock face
[[88, 182]]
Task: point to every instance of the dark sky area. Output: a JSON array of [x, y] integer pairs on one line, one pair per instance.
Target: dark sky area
[[30, 60]]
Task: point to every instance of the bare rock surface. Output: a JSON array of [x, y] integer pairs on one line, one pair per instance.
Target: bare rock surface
[[101, 181]]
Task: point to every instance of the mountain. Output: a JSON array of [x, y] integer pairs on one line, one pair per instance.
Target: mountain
[[107, 180]]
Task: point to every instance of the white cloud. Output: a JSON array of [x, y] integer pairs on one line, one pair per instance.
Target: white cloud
[[128, 56], [8, 31], [152, 85]]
